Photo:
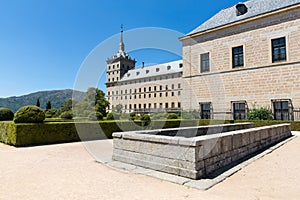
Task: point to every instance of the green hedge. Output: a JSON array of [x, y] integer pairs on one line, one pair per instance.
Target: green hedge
[[62, 132], [295, 125]]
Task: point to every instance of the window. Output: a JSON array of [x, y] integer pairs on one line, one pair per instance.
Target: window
[[160, 94], [180, 65], [166, 94], [166, 87], [237, 57], [144, 89], [282, 110], [179, 105], [149, 95], [179, 93], [205, 110], [279, 49], [160, 105], [179, 85], [173, 105], [204, 62], [168, 67], [166, 105], [154, 94], [149, 89], [154, 88], [172, 94], [144, 95], [160, 87], [157, 69], [155, 105], [172, 86], [239, 110], [149, 105]]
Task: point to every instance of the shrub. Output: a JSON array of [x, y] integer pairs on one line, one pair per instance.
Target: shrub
[[29, 114], [67, 115], [145, 119], [6, 114], [51, 113], [132, 116], [158, 116], [193, 114], [113, 116], [172, 116], [260, 114], [95, 116]]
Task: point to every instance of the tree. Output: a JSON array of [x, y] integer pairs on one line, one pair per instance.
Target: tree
[[67, 106], [118, 108], [48, 105], [93, 101], [38, 104]]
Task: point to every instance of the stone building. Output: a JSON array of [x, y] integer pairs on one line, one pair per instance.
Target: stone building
[[246, 55], [148, 89]]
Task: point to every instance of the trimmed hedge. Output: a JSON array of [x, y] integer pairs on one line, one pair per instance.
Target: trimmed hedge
[[29, 114], [6, 114], [62, 132]]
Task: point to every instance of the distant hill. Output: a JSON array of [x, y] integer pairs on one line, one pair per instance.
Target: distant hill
[[56, 97]]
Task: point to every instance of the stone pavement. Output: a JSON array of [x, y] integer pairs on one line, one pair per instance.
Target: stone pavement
[[67, 171]]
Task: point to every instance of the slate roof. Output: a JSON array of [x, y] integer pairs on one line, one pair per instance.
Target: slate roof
[[255, 8], [154, 70]]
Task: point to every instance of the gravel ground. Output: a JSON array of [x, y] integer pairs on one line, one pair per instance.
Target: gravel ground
[[67, 171]]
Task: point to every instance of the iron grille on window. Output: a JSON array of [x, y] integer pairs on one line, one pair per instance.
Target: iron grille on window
[[282, 110], [239, 111], [205, 109]]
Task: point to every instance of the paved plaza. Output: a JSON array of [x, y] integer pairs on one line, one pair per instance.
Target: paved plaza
[[67, 171]]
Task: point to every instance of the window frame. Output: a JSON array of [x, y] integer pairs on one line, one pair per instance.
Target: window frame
[[205, 62], [279, 46], [205, 113], [239, 55], [238, 115]]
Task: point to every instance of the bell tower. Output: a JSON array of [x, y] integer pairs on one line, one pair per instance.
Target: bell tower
[[119, 64]]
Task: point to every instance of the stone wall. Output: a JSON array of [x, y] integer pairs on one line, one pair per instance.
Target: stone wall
[[194, 157], [260, 80]]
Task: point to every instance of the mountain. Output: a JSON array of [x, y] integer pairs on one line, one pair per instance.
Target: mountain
[[56, 97]]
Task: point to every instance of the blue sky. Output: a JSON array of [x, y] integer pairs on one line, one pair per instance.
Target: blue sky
[[44, 42]]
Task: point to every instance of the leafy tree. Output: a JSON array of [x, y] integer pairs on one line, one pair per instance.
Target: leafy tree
[[118, 108], [48, 105], [38, 104], [94, 100], [67, 106]]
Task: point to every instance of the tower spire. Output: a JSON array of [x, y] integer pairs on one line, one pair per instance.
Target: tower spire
[[122, 48]]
